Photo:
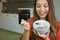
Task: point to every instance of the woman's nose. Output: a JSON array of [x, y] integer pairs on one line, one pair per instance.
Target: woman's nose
[[42, 9]]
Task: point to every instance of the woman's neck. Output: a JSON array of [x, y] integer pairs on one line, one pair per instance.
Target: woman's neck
[[42, 18]]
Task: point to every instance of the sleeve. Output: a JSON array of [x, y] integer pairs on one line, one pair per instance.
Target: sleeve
[[30, 20], [58, 31]]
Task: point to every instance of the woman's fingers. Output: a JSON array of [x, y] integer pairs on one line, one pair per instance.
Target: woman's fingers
[[22, 21], [41, 35], [48, 33], [25, 24], [44, 35]]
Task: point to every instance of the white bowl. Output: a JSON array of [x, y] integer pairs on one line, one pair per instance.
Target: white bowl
[[42, 24]]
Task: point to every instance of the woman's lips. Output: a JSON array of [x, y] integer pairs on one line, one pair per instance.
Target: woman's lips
[[42, 14]]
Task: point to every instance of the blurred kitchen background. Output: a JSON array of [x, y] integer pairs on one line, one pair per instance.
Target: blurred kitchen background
[[10, 13]]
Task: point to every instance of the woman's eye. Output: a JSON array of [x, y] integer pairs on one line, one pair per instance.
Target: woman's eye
[[38, 6], [45, 6]]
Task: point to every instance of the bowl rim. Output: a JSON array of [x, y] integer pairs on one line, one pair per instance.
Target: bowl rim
[[41, 29]]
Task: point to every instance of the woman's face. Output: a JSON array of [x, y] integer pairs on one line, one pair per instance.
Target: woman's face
[[42, 8]]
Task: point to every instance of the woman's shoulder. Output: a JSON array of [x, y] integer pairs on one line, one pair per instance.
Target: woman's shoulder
[[58, 25], [58, 31], [30, 19]]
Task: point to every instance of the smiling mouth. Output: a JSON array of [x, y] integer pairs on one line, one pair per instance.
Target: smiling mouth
[[42, 14]]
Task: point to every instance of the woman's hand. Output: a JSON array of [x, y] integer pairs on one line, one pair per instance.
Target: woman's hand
[[25, 25], [44, 36]]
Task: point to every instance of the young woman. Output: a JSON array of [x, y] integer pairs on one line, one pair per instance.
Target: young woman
[[43, 9]]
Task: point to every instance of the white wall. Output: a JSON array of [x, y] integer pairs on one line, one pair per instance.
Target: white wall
[[57, 9]]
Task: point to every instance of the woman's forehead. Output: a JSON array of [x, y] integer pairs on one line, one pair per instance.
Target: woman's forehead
[[42, 1]]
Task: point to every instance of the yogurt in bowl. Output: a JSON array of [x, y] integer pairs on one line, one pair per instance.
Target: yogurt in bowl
[[41, 26]]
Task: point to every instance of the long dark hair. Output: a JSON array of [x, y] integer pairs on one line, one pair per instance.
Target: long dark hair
[[50, 17]]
